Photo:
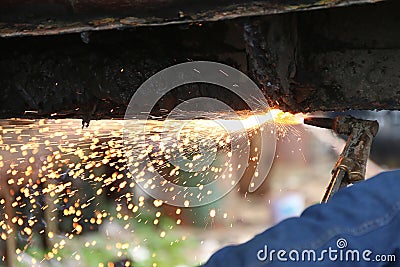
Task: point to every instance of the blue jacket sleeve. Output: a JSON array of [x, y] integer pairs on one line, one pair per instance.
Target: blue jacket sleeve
[[362, 220]]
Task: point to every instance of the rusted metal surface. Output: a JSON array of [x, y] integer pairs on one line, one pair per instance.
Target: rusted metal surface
[[63, 77], [49, 17], [352, 62], [335, 59]]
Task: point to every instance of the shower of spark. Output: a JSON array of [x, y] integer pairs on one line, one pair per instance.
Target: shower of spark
[[45, 164], [285, 122]]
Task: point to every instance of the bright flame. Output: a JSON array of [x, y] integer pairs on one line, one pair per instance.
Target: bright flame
[[252, 121], [277, 115], [282, 117], [225, 122]]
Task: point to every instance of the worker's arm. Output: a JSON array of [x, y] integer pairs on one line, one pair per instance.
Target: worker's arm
[[364, 217]]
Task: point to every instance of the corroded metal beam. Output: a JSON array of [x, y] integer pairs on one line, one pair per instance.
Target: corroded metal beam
[[331, 59], [49, 17]]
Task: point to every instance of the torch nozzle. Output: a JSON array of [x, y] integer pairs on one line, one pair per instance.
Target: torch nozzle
[[344, 125], [327, 123]]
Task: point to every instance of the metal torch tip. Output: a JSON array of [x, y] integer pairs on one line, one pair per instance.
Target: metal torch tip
[[327, 123]]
